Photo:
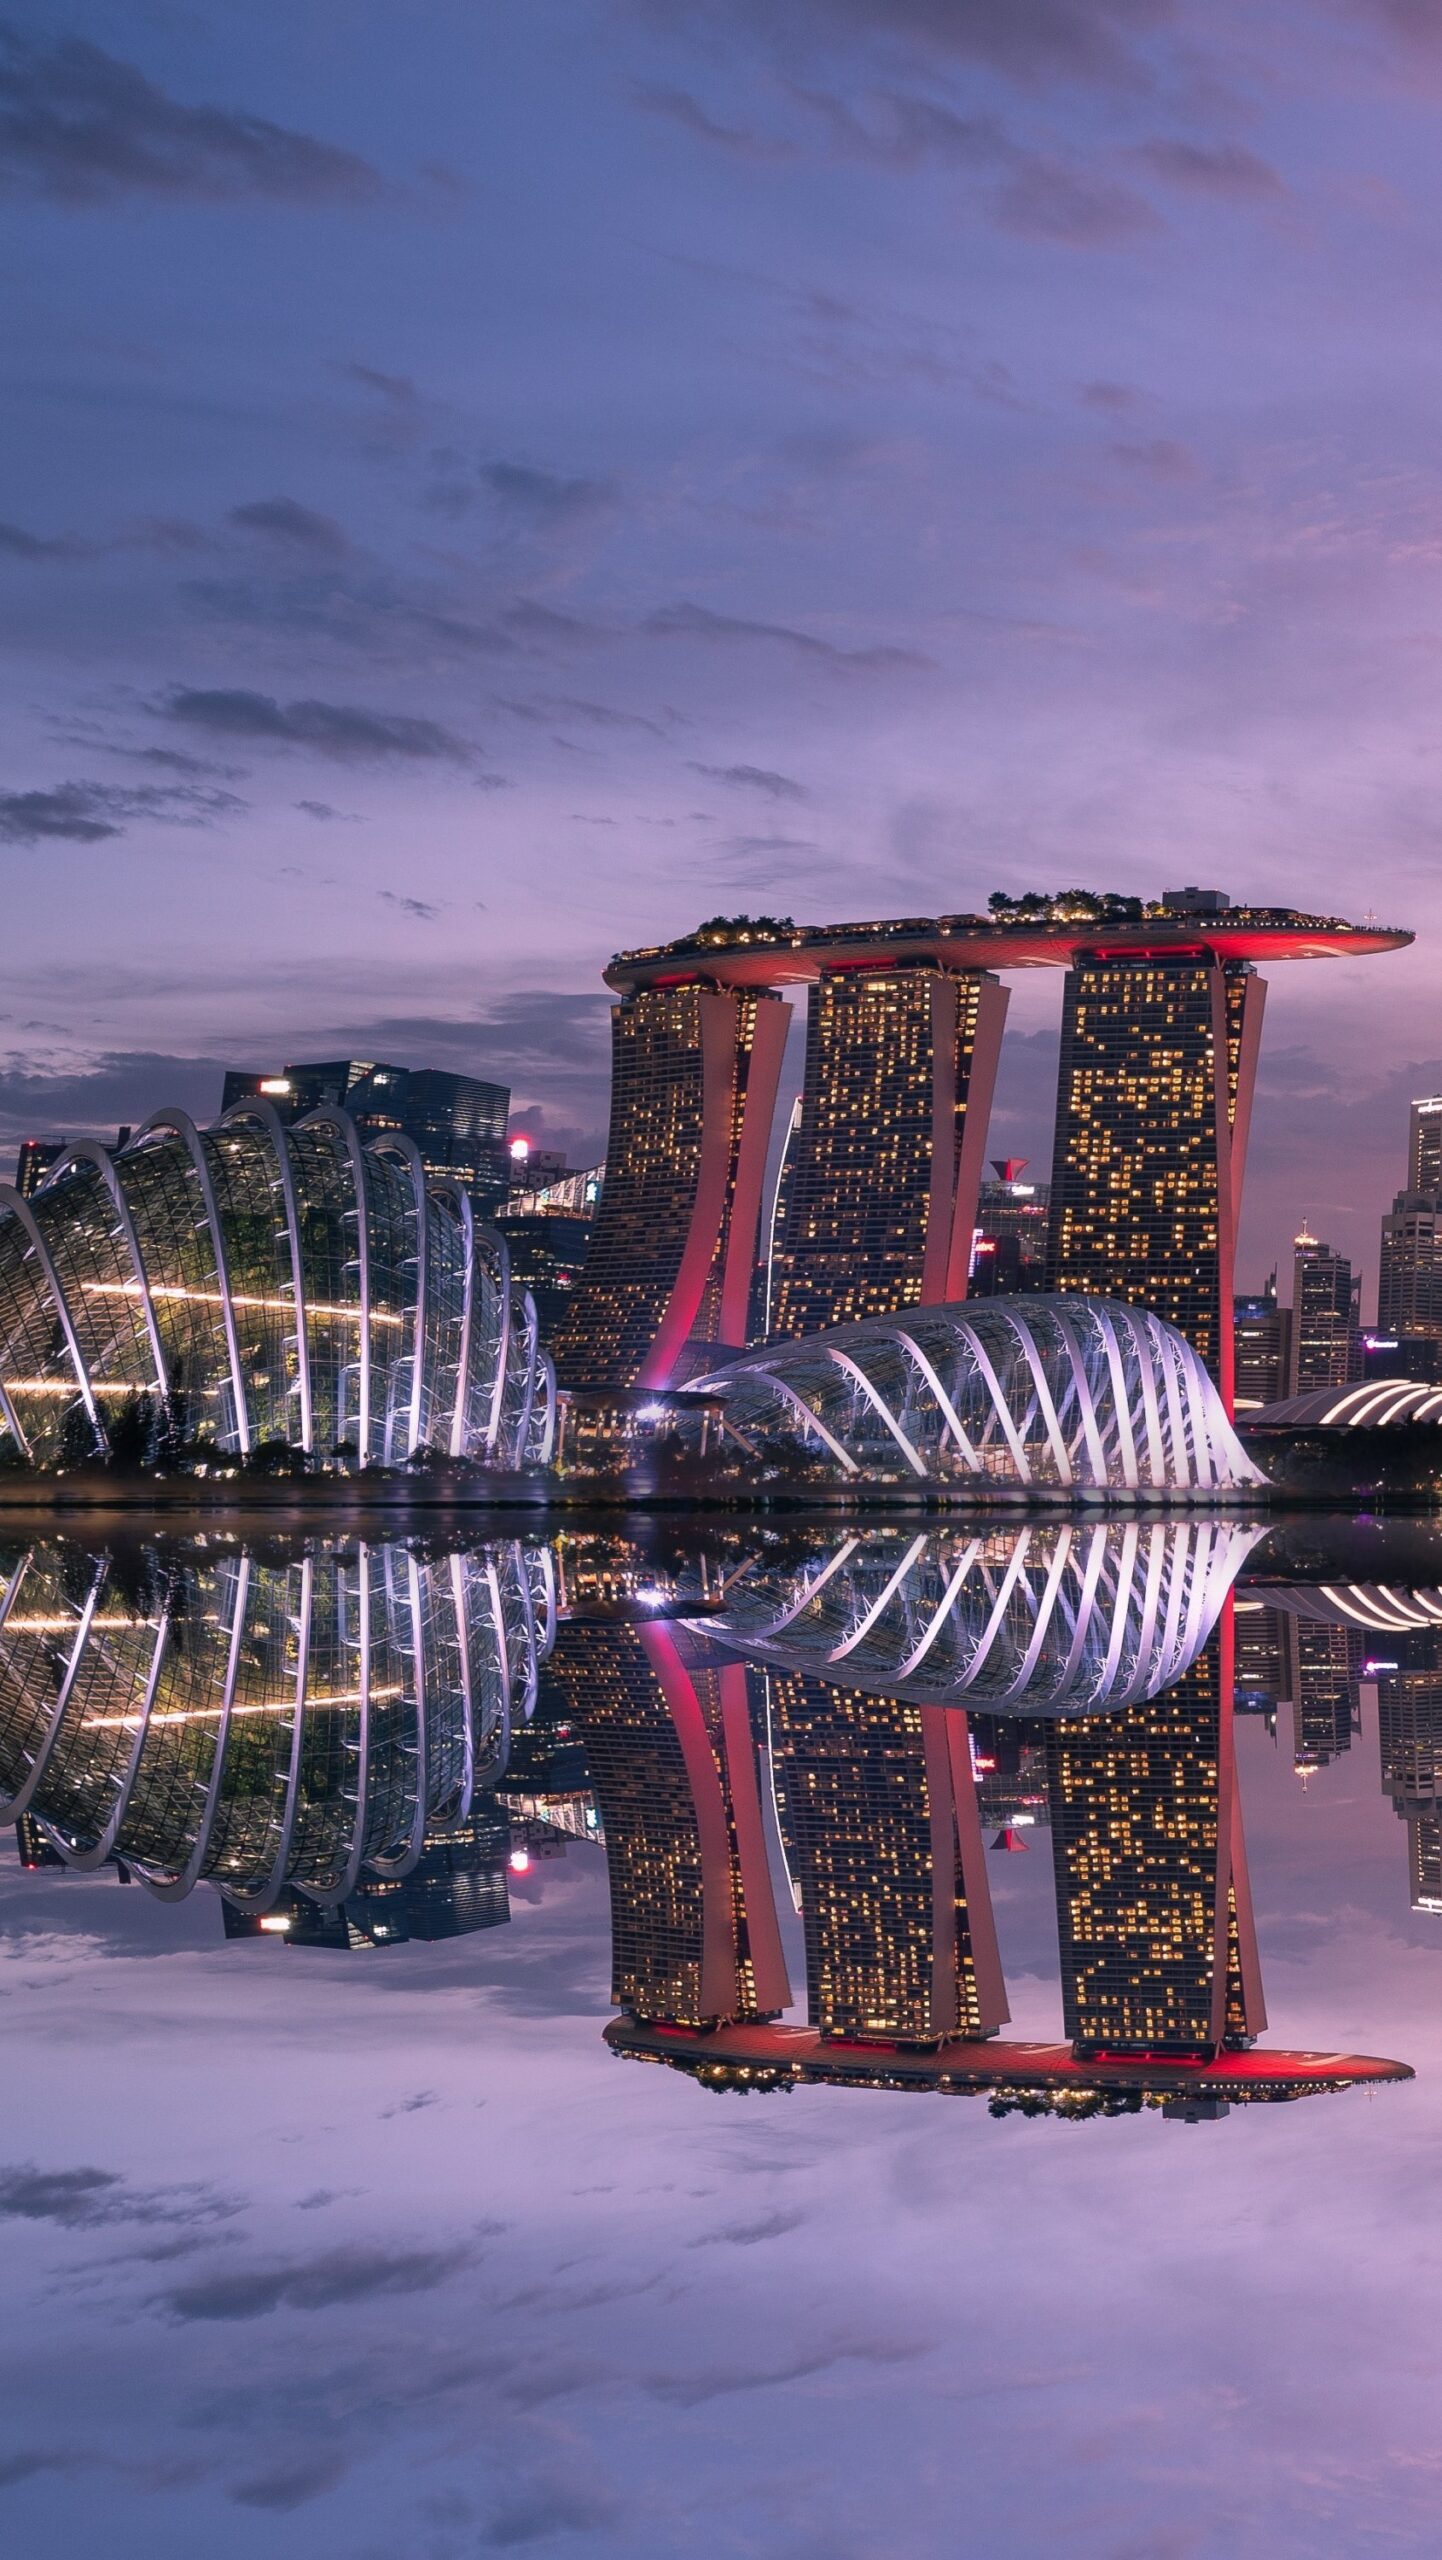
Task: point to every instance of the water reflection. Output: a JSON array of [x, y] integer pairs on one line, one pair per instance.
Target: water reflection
[[359, 1744]]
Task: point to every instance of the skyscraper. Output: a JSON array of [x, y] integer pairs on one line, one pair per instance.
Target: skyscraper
[[1424, 1145], [1154, 1910], [1158, 1059], [694, 1938], [456, 1123], [882, 1205], [885, 1838], [34, 1161], [1409, 1279], [694, 1072], [1325, 1330], [1262, 1334]]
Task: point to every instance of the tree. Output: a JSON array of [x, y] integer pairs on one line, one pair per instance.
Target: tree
[[132, 1431], [78, 1446]]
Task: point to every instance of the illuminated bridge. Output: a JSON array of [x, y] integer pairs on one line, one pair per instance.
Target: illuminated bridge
[[873, 1208], [253, 1283]]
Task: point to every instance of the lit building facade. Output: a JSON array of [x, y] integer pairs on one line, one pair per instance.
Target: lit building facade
[[881, 1209], [694, 1075], [256, 1283], [34, 1161], [1409, 1279], [1325, 1332], [884, 1835], [457, 1124], [1158, 1948], [694, 1935], [877, 1200], [1262, 1338], [1158, 1063], [1424, 1145]]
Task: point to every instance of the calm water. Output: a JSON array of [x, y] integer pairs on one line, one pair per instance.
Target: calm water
[[375, 2177]]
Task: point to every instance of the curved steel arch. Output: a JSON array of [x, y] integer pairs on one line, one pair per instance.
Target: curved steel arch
[[260, 1114], [90, 1151], [180, 1124], [394, 1143], [10, 1200], [341, 1126]]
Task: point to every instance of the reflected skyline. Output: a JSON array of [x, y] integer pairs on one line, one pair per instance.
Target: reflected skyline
[[365, 1744]]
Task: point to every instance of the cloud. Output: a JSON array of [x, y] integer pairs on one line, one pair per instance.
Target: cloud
[[691, 2391], [291, 2482], [282, 520], [1027, 41], [678, 106], [907, 131], [753, 777], [120, 1085], [747, 2235], [420, 908], [1047, 200], [79, 2199], [89, 812], [686, 621], [345, 731], [546, 708], [1114, 399], [546, 2507], [81, 127], [1161, 456], [335, 2276], [1210, 169], [543, 496], [322, 811], [34, 546]]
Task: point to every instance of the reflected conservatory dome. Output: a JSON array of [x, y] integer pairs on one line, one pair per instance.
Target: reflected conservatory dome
[[265, 1284], [303, 1723], [1048, 1620], [1069, 1395]]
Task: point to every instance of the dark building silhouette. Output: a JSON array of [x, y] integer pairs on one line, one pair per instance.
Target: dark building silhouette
[[1320, 1664], [1262, 1355], [458, 1884]]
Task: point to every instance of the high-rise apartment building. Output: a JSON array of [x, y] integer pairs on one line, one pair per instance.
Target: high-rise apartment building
[[1262, 1338], [34, 1161], [1009, 1247], [1424, 1146], [882, 1207], [1325, 1328], [1158, 1059], [884, 1834], [1409, 1278], [1154, 1910]]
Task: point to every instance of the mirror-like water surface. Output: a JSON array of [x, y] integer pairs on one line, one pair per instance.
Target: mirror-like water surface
[[340, 1873]]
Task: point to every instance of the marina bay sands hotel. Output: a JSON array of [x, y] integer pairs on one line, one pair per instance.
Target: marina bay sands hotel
[[876, 1202]]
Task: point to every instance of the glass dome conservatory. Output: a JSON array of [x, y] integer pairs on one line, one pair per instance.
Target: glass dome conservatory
[[265, 1284]]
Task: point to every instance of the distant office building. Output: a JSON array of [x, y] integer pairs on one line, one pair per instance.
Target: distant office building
[[1424, 1146], [1008, 1250], [34, 1161], [1158, 1059], [533, 1168], [571, 1195], [1260, 1658], [1262, 1334], [1415, 1356], [884, 1833], [34, 1846], [881, 1209], [1320, 1664], [1154, 1911], [1325, 1330], [458, 1885], [1409, 1281], [548, 1256], [457, 1123], [1424, 1861]]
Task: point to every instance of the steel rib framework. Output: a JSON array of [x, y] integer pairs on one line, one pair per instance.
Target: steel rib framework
[[1070, 1396], [1048, 1620], [274, 1284], [264, 1726]]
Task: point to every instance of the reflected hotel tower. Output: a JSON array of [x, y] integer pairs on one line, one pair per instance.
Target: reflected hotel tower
[[876, 1202], [724, 1791]]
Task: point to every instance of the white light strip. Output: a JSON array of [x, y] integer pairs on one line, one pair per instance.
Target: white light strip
[[212, 1715]]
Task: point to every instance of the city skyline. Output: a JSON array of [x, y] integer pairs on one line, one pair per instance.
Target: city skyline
[[291, 586]]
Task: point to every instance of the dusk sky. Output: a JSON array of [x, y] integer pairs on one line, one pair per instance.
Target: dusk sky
[[484, 486]]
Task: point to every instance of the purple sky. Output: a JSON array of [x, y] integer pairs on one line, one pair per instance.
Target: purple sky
[[484, 485], [394, 2257]]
